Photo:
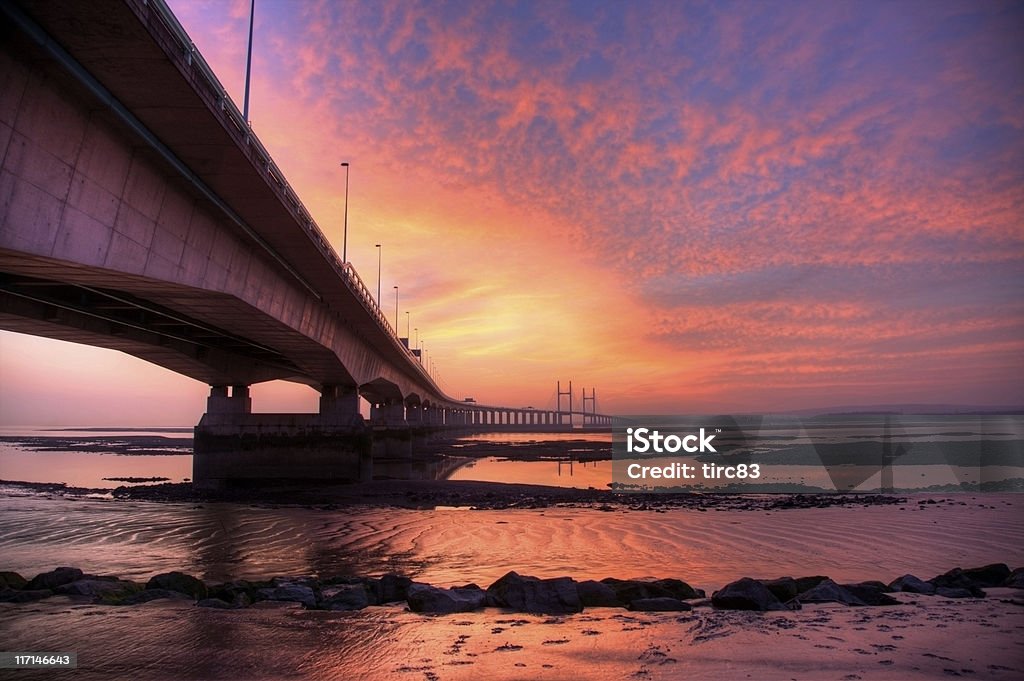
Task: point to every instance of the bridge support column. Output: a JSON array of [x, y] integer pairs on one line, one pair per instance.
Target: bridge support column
[[339, 405], [219, 402], [392, 437]]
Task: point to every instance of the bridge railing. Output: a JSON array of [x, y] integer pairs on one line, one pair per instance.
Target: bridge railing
[[209, 86]]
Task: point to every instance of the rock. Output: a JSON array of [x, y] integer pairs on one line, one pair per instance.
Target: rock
[[9, 595], [989, 576], [872, 584], [394, 588], [153, 595], [679, 589], [238, 590], [872, 593], [957, 579], [746, 594], [54, 578], [629, 590], [1016, 579], [180, 582], [783, 588], [291, 592], [431, 599], [805, 583], [305, 580], [658, 605], [830, 592], [100, 589], [597, 595], [12, 580], [344, 597], [556, 596], [215, 603], [957, 592], [911, 584]]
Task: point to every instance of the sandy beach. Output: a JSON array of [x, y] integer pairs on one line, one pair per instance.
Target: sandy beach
[[708, 546]]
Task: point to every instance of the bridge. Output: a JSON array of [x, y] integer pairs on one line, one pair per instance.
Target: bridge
[[140, 213]]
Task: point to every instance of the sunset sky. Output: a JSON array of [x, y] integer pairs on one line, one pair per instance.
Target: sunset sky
[[689, 206]]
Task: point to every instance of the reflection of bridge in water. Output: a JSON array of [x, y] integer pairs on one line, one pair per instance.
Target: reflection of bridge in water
[[140, 213]]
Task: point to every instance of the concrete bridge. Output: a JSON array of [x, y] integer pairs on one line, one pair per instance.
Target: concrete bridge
[[140, 213]]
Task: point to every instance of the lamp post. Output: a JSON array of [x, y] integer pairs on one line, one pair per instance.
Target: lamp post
[[248, 62], [396, 310], [407, 336], [416, 330], [344, 238], [379, 251]]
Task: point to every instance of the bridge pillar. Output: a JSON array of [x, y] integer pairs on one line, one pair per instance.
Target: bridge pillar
[[390, 413], [238, 402], [339, 405]]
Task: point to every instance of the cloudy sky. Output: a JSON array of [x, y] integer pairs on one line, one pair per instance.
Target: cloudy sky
[[691, 206]]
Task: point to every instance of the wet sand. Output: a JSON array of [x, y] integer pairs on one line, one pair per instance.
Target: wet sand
[[922, 639]]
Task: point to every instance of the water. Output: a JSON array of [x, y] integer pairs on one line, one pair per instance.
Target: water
[[220, 541], [843, 452], [85, 457]]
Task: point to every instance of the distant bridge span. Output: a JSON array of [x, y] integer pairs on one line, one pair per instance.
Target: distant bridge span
[[140, 213]]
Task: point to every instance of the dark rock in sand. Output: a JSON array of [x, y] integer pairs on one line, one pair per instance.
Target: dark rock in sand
[[107, 590], [311, 582], [237, 591], [153, 595], [989, 576], [1016, 579], [9, 595], [556, 596], [913, 585], [872, 593], [875, 584], [345, 597], [394, 588], [629, 590], [830, 592], [805, 583], [595, 594], [180, 582], [297, 593], [215, 603], [431, 599], [957, 579], [746, 594], [659, 605], [54, 578], [957, 592], [783, 588], [12, 580], [677, 588]]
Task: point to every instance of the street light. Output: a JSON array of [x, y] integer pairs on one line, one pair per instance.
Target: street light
[[379, 251], [407, 336], [396, 310], [248, 62], [416, 330], [344, 239]]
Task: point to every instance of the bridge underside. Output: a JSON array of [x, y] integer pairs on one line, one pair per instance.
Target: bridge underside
[[171, 326]]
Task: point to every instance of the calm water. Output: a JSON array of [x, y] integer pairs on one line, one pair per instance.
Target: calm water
[[820, 452]]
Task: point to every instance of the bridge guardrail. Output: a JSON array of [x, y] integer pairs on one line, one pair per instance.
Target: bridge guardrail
[[207, 84]]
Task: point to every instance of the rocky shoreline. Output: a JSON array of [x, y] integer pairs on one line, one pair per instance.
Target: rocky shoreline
[[427, 494], [512, 592]]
